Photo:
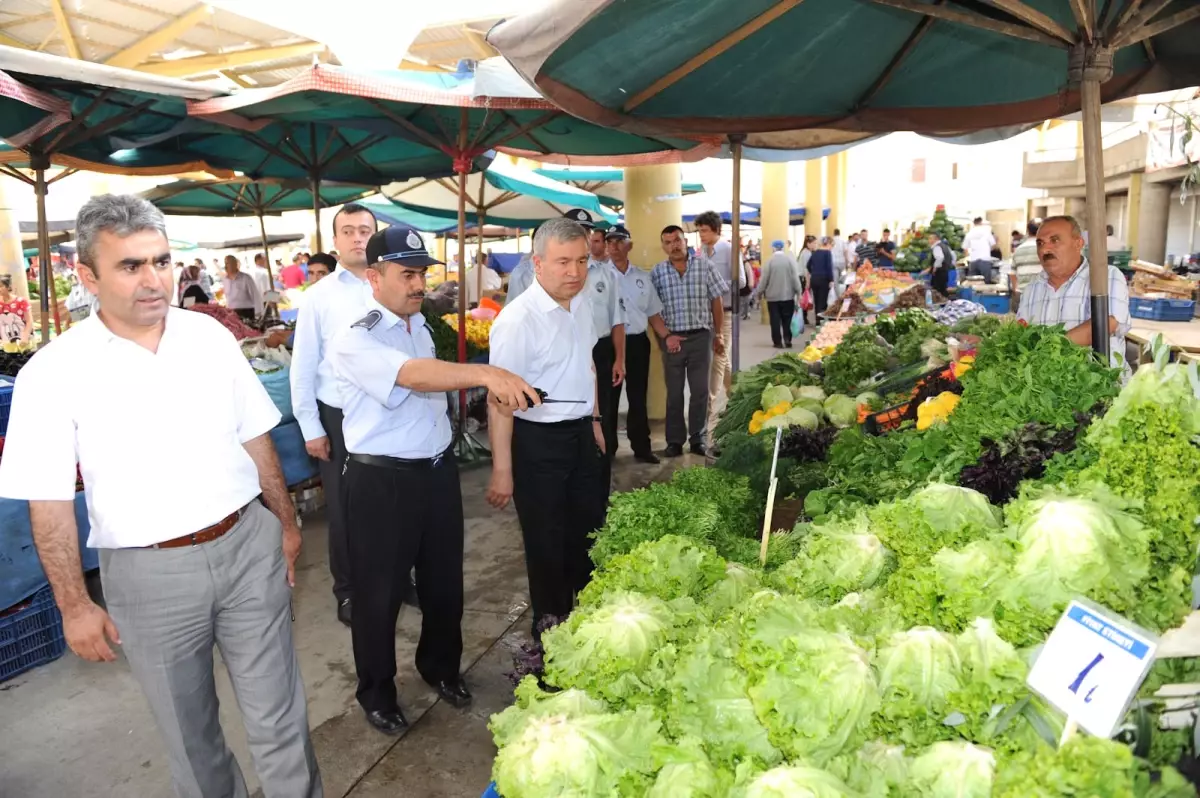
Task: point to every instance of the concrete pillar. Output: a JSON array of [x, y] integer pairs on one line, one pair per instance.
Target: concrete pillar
[[812, 198], [835, 190], [775, 206], [653, 197], [12, 257], [1075, 206], [1133, 214], [1154, 209]]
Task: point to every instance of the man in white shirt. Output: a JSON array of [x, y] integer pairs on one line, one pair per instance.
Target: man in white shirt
[[262, 278], [978, 243], [837, 251], [550, 459], [719, 254], [643, 310], [181, 571], [331, 306], [241, 292], [481, 276], [402, 487]]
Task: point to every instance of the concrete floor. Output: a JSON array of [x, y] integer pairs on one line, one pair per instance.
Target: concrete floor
[[73, 728]]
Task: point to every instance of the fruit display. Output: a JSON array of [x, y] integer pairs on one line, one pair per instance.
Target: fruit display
[[877, 287], [830, 335], [914, 256]]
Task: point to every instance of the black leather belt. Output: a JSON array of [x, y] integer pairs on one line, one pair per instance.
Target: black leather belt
[[401, 463], [686, 333]]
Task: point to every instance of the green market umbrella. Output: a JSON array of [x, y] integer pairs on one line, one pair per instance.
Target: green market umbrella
[[607, 184], [245, 197], [761, 67]]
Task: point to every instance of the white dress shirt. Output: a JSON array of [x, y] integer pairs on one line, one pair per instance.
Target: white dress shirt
[[261, 279], [551, 349], [329, 308], [241, 293], [641, 300], [979, 242], [721, 258], [491, 282], [114, 407], [1071, 305], [603, 292], [381, 417], [520, 279]]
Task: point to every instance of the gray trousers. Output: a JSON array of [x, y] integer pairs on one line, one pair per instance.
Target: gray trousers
[[691, 365], [170, 606]]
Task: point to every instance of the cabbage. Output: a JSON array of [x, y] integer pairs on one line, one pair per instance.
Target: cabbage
[[567, 744], [877, 770], [993, 679], [619, 649], [668, 568], [952, 770], [776, 422], [833, 564], [867, 398], [812, 392], [774, 394], [738, 585], [842, 411], [1070, 545], [955, 587], [687, 773], [800, 417], [811, 405], [931, 519], [794, 781], [1086, 766], [918, 671]]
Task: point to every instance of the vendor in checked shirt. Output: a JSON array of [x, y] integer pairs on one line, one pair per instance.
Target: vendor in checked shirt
[[1062, 293]]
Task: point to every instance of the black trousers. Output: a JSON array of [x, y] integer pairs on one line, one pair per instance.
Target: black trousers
[[247, 314], [557, 469], [604, 354], [334, 482], [781, 321], [820, 289], [637, 382], [398, 519]]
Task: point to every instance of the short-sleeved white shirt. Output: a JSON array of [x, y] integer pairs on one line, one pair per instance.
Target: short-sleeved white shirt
[[158, 435], [378, 416], [551, 349], [641, 299]]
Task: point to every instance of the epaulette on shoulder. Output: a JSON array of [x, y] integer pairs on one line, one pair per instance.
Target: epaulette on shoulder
[[368, 321]]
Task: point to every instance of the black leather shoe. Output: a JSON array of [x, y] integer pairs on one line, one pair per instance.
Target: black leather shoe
[[647, 457], [344, 611], [698, 448], [673, 451], [410, 594], [454, 693], [388, 722]]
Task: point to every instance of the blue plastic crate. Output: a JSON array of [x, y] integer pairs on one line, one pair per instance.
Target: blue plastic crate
[[994, 303], [6, 392], [30, 636], [1162, 309], [490, 792]]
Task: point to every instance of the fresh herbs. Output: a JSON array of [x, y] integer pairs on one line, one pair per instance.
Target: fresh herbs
[[1020, 456], [857, 357]]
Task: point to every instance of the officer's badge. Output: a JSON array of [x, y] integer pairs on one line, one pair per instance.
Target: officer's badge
[[369, 321], [600, 287], [415, 240]]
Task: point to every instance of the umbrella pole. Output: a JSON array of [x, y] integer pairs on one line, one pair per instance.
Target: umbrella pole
[[1093, 73], [316, 192], [735, 257], [480, 214], [262, 230], [45, 280]]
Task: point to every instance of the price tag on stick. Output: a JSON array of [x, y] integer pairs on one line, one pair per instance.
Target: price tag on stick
[[1092, 666], [766, 533]]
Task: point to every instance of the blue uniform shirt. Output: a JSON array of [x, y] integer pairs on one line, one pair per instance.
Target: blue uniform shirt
[[381, 417]]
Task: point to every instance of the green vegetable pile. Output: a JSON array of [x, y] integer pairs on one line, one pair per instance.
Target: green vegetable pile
[[748, 387], [857, 358]]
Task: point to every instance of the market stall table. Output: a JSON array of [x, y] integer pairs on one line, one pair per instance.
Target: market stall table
[[1179, 335]]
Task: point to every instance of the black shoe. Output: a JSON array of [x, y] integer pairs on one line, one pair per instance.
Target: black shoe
[[647, 457], [410, 594], [698, 449], [673, 451], [388, 721], [454, 693], [777, 346], [787, 344], [343, 612]]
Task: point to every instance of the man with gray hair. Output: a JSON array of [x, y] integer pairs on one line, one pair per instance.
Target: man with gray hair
[[180, 575], [550, 460]]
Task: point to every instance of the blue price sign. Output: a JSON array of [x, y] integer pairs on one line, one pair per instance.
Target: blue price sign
[[1092, 666]]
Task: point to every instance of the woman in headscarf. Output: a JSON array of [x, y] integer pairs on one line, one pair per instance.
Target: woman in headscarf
[[189, 277]]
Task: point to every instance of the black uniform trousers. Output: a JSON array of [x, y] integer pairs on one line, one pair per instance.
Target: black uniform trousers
[[604, 355], [334, 483], [557, 469], [781, 314], [637, 382], [401, 517], [820, 290]]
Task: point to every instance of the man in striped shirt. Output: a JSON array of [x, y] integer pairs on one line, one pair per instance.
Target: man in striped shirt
[[1062, 294], [1025, 263]]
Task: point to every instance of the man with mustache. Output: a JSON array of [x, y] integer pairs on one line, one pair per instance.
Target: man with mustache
[[1062, 293], [403, 497], [180, 574]]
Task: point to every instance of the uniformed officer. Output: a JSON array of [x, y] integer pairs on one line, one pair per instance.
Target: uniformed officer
[[643, 310], [402, 489], [550, 459]]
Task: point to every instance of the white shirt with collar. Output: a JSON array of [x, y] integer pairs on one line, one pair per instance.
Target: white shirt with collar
[[330, 307], [603, 292], [241, 293], [640, 298], [379, 416], [141, 468], [549, 347], [721, 259], [520, 279]]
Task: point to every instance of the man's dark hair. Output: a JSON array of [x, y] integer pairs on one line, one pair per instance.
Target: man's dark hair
[[1031, 227], [889, 232], [710, 219], [324, 259], [837, 232], [978, 220], [353, 208], [1108, 229], [672, 228]]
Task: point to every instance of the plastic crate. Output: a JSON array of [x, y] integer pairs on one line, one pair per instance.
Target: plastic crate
[[31, 634], [6, 392], [995, 303], [490, 792], [1162, 309]]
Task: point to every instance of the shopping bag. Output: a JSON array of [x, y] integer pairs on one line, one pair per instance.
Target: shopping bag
[[832, 300], [806, 299], [797, 323]]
